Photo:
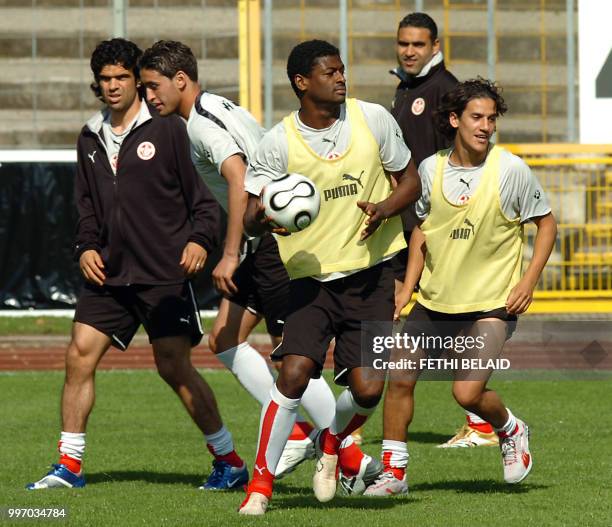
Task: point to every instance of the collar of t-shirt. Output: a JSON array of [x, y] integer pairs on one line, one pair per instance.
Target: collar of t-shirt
[[327, 142]]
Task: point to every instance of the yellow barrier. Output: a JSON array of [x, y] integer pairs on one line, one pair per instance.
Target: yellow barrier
[[249, 50]]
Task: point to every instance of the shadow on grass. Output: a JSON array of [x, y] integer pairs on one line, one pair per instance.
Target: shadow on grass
[[428, 437], [307, 500], [192, 480], [478, 486]]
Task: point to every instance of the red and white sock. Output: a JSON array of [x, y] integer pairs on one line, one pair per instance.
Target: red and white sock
[[221, 446], [478, 423], [319, 401], [348, 417], [277, 420], [510, 428], [71, 447], [349, 457], [395, 457], [302, 429]]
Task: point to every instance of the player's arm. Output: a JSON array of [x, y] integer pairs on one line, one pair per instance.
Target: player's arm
[[233, 170], [203, 208], [414, 269], [397, 161], [86, 248], [521, 295]]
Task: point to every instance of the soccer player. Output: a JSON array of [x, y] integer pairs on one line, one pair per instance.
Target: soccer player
[[424, 79], [224, 138], [339, 269], [146, 225], [468, 255]]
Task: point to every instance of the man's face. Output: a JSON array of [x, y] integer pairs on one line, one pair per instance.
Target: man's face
[[162, 92], [415, 49], [476, 125], [326, 82], [118, 87]]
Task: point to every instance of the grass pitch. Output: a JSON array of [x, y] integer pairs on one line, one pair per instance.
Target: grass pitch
[[145, 459]]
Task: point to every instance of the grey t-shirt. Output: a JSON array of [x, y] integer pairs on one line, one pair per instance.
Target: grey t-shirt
[[228, 130], [113, 140], [271, 159], [520, 192]]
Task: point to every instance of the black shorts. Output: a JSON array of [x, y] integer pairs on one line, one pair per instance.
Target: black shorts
[[263, 285], [399, 262], [321, 311], [163, 310], [430, 323]]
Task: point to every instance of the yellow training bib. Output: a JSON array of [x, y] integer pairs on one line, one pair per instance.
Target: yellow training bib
[[331, 243], [474, 253]]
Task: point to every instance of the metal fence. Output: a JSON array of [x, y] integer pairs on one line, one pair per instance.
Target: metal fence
[[529, 46]]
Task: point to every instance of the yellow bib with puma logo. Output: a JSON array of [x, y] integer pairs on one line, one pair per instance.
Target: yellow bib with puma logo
[[474, 253], [331, 244]]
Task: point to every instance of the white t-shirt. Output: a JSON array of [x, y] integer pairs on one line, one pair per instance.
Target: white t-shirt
[[271, 160], [219, 129], [113, 141], [520, 192]]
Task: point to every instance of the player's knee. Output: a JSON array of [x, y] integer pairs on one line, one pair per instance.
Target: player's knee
[[79, 358], [170, 370], [467, 399], [399, 389], [292, 380], [367, 396]]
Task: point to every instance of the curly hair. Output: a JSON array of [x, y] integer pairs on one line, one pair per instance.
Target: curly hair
[[303, 57], [168, 57], [422, 20], [112, 52], [458, 98]]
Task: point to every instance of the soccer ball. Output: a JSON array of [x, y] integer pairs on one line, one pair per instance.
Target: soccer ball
[[292, 202]]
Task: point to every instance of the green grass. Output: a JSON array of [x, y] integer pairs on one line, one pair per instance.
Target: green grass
[[34, 326], [144, 459]]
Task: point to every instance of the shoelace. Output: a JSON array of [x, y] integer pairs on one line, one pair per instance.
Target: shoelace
[[384, 477], [217, 476], [509, 452]]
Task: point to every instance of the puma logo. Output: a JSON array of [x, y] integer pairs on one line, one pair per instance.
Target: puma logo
[[347, 177], [470, 225], [91, 156], [326, 140], [466, 183], [185, 320], [261, 470]]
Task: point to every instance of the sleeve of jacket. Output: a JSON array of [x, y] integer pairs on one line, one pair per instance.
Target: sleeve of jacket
[[87, 229], [204, 210]]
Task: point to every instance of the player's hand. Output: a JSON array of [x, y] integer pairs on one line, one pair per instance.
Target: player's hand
[[402, 298], [520, 298], [193, 258], [92, 267], [376, 215], [223, 272], [266, 223]]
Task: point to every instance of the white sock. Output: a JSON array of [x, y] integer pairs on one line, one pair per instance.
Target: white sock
[[346, 410], [277, 420], [394, 454], [510, 426], [72, 444], [474, 419], [250, 368], [220, 443], [319, 401]]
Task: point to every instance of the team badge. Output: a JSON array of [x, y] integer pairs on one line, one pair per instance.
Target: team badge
[[145, 150], [418, 106]]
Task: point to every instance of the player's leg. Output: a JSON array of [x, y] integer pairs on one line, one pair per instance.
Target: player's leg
[[171, 317], [470, 391], [307, 332], [101, 320]]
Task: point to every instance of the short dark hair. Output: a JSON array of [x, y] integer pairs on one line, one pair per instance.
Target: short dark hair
[[420, 20], [458, 98], [112, 52], [168, 57], [303, 57]]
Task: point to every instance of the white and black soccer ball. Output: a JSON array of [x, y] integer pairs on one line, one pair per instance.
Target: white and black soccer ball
[[292, 202]]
